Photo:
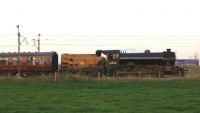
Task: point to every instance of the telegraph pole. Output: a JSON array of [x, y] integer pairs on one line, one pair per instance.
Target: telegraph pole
[[19, 44]]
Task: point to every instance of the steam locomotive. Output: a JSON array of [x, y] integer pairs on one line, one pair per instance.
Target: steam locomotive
[[156, 63]]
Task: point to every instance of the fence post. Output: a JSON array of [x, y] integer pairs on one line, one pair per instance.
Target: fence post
[[179, 73], [150, 75], [8, 75], [159, 74], [78, 76], [99, 73], [67, 75], [117, 74], [139, 75], [55, 76]]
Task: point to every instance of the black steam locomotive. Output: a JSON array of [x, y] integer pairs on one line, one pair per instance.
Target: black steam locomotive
[[155, 63]]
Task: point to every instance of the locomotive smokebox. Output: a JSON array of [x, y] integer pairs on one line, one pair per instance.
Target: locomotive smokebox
[[168, 50]]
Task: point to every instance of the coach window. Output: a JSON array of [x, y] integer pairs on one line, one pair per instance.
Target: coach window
[[47, 60], [3, 61], [31, 60], [28, 60], [6, 61], [41, 62], [15, 61]]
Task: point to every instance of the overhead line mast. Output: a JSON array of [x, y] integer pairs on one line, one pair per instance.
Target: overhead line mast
[[19, 44], [19, 50], [39, 42]]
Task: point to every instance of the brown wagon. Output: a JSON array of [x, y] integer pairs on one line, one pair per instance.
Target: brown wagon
[[85, 64]]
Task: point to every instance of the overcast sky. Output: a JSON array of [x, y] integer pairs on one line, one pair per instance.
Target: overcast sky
[[83, 26]]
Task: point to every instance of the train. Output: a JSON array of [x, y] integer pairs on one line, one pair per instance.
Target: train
[[103, 62]]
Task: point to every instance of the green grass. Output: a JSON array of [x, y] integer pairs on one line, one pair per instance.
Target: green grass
[[21, 96]]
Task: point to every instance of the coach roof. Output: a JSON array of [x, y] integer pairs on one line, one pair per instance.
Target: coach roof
[[27, 54]]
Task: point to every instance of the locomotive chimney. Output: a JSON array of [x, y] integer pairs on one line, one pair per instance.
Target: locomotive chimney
[[168, 50]]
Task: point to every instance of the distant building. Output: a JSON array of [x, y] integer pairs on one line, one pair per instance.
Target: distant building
[[187, 62]]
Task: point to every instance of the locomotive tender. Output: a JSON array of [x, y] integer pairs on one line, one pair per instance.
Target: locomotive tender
[[81, 63]]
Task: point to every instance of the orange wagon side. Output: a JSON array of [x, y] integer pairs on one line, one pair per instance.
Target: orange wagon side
[[82, 63]]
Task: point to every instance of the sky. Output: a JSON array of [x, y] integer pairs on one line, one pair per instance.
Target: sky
[[84, 26]]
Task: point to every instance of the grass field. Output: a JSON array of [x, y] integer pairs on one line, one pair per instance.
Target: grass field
[[21, 96]]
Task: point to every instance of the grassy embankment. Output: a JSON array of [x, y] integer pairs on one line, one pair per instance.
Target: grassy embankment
[[32, 96]]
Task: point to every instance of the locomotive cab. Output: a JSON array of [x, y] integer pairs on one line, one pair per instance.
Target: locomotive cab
[[112, 56]]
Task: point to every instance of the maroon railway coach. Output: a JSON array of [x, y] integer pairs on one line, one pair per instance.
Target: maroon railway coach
[[29, 62]]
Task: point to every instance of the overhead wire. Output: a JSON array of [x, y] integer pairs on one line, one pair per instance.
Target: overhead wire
[[145, 40]]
